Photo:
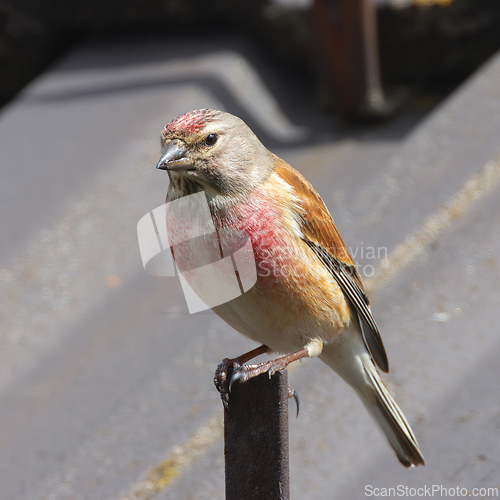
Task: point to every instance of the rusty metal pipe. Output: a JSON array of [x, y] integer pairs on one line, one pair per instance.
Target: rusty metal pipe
[[347, 55]]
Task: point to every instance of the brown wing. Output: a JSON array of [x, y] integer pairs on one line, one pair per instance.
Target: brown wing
[[321, 235]]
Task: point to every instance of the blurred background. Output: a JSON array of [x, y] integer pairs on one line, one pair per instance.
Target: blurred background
[[390, 108]]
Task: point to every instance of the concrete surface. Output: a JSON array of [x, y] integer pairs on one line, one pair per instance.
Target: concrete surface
[[103, 373]]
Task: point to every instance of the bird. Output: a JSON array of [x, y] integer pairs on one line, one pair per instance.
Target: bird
[[308, 299]]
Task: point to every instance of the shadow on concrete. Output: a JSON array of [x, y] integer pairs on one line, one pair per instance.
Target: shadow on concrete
[[293, 89]]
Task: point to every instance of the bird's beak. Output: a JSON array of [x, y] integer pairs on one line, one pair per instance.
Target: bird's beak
[[174, 158]]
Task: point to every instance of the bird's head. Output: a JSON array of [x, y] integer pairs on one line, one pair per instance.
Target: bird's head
[[213, 151]]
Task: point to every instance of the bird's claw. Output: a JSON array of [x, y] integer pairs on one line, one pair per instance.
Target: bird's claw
[[224, 378], [292, 393], [230, 371], [225, 401], [239, 375]]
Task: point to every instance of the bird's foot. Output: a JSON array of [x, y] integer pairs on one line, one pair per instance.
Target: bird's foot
[[242, 374], [222, 379], [231, 371]]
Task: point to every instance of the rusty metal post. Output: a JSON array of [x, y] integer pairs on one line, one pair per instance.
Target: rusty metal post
[[347, 56], [256, 440]]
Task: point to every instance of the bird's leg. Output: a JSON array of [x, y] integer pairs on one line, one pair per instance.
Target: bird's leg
[[224, 372], [244, 373]]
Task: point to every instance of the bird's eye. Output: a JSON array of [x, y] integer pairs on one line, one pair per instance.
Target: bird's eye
[[211, 139]]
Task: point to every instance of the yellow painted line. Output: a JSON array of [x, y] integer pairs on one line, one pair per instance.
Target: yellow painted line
[[474, 190], [182, 457]]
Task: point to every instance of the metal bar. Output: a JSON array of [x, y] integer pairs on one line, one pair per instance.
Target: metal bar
[[256, 439], [348, 56]]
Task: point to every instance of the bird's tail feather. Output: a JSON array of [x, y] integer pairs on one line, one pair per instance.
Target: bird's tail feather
[[390, 418]]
